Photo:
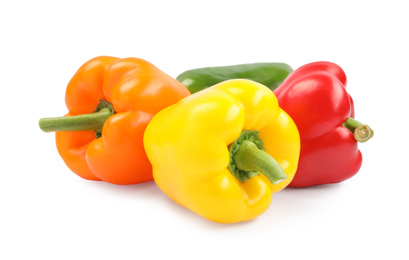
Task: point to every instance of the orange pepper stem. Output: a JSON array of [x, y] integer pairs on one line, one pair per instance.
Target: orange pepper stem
[[362, 133], [248, 158], [93, 121]]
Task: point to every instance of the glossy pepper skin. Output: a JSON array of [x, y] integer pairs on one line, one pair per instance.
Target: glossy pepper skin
[[270, 74], [315, 97], [188, 146], [137, 90]]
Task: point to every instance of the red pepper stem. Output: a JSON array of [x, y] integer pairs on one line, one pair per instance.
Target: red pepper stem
[[93, 121], [362, 132]]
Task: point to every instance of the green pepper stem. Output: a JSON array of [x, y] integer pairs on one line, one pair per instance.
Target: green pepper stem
[[362, 132], [249, 157]]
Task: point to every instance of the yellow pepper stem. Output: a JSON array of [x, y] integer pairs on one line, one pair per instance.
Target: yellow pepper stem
[[248, 158]]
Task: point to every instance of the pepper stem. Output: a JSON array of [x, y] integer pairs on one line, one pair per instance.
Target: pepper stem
[[362, 132], [93, 121], [248, 158]]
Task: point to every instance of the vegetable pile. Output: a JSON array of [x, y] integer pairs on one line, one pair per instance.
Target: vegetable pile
[[248, 131]]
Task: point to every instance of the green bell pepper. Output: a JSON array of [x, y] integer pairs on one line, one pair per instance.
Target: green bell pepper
[[270, 74]]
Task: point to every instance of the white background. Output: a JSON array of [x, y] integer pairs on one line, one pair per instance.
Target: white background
[[47, 212]]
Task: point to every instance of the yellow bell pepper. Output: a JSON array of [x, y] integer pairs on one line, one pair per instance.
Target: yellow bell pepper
[[208, 149]]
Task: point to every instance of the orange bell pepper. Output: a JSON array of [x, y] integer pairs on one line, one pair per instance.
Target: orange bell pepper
[[107, 144]]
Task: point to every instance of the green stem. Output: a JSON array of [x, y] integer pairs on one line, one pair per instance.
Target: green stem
[[94, 121], [248, 158], [362, 132]]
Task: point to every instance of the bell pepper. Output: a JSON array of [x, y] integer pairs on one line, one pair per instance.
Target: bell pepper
[[208, 150], [110, 103], [315, 97], [270, 74]]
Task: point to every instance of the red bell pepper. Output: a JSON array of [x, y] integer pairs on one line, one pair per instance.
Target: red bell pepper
[[315, 97]]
